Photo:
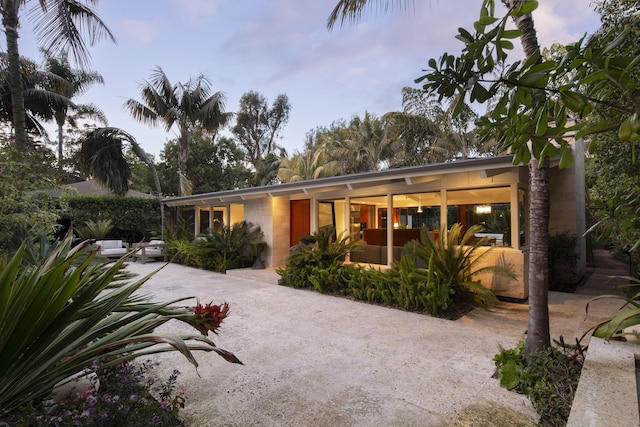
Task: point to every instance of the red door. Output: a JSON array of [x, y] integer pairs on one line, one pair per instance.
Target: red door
[[300, 216]]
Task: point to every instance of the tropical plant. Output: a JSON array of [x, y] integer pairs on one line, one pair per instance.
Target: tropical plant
[[324, 251], [59, 25], [457, 261], [307, 165], [97, 230], [60, 315], [101, 156], [191, 106], [229, 247], [620, 326], [126, 395], [74, 83]]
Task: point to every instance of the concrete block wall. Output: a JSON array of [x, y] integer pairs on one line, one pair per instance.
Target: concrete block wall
[[259, 212]]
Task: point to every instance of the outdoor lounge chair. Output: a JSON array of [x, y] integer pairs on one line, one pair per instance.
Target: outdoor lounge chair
[[150, 250], [112, 248]]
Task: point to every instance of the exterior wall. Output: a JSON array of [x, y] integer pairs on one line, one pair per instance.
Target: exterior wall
[[503, 286], [259, 212], [567, 204], [281, 225]]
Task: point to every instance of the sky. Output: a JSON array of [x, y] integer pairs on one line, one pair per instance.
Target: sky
[[284, 47]]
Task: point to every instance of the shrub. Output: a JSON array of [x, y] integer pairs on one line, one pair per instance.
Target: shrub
[[549, 378], [59, 315], [456, 262], [229, 247], [563, 260]]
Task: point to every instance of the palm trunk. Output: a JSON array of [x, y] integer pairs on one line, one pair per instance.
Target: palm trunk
[[10, 22], [143, 156], [60, 144], [538, 334]]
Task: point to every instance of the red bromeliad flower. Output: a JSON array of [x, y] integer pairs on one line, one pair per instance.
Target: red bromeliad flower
[[209, 317]]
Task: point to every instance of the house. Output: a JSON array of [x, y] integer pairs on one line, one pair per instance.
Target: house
[[386, 208]]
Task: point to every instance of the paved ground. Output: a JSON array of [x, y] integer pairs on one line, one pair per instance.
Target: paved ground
[[316, 360]]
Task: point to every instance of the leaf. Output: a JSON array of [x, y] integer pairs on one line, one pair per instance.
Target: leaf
[[594, 128], [566, 158], [525, 8], [594, 77], [574, 101], [541, 121]]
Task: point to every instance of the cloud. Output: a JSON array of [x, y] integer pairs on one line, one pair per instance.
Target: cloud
[[197, 10], [141, 31]]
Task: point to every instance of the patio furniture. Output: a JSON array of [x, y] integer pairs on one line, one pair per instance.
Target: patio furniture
[[112, 248], [150, 250]]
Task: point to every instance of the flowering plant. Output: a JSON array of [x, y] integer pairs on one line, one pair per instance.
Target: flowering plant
[[209, 317], [127, 395]]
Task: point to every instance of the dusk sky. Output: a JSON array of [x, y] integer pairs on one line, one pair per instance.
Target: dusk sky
[[283, 46]]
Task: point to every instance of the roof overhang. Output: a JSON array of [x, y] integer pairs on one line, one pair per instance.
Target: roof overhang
[[384, 180]]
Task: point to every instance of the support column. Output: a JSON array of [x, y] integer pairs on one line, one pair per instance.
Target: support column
[[227, 215], [515, 217], [389, 229], [443, 212]]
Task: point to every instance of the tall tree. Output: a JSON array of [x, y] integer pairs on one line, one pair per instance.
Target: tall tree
[[258, 127], [541, 104], [74, 83], [60, 26], [191, 107], [214, 165], [102, 157]]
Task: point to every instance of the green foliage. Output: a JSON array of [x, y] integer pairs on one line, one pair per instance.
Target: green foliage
[[129, 215], [98, 230], [621, 326], [229, 247], [127, 395], [214, 165], [456, 260], [23, 207], [563, 260], [549, 378], [59, 315], [436, 291], [324, 253]]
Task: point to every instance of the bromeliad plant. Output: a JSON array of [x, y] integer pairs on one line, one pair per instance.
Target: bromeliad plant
[[60, 315]]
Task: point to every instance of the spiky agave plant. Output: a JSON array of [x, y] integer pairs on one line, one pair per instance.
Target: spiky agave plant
[[60, 315]]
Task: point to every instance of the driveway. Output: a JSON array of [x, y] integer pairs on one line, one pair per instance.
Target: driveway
[[317, 360]]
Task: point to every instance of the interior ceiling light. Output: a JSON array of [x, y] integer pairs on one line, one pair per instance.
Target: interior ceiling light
[[483, 209]]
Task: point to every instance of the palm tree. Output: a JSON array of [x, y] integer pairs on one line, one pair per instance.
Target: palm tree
[[76, 82], [538, 335], [307, 165], [60, 26], [101, 156], [190, 106]]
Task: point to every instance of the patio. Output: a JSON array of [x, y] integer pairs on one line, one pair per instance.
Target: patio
[[312, 359]]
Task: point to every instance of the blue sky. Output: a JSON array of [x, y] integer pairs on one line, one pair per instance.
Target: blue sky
[[283, 46]]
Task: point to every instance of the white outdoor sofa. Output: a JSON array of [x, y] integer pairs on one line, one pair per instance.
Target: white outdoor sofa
[[150, 250], [112, 248]]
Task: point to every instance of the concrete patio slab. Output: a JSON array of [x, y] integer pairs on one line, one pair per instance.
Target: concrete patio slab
[[318, 360]]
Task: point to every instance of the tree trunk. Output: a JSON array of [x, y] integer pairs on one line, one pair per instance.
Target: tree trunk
[[183, 155], [60, 144], [10, 22], [538, 334]]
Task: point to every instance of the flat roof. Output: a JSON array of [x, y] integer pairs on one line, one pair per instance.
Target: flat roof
[[409, 175]]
